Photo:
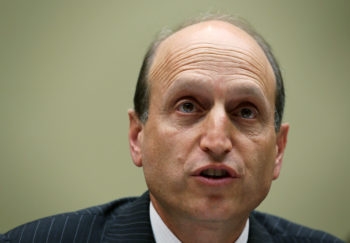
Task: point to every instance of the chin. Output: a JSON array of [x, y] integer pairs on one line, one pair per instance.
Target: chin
[[219, 210]]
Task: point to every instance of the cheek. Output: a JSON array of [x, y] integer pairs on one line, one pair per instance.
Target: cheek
[[161, 153], [262, 161]]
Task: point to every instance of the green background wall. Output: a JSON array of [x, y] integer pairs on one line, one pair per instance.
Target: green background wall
[[67, 76]]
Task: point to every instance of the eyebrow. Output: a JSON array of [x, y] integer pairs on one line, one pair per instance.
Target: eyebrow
[[198, 85], [193, 85], [250, 90]]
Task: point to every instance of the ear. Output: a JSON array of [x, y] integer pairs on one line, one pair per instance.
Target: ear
[[135, 137], [281, 142]]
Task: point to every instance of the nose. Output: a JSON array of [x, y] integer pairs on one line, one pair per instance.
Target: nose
[[216, 137]]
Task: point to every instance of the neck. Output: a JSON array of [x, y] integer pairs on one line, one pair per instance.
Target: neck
[[192, 230]]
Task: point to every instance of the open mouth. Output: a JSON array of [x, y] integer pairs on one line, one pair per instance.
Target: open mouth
[[215, 174]]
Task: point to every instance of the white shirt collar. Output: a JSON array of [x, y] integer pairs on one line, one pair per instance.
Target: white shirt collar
[[163, 234]]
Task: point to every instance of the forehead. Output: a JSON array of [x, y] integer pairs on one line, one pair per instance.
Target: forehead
[[213, 31], [214, 46]]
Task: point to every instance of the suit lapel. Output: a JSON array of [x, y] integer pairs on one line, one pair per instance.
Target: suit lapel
[[130, 223], [257, 233]]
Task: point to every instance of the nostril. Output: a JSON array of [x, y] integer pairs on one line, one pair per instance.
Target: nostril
[[216, 136], [216, 146]]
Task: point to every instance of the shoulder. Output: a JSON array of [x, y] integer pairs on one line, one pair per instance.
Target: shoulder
[[282, 230], [87, 225]]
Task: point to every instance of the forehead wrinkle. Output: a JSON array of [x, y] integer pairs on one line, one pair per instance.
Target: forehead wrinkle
[[210, 52], [198, 55]]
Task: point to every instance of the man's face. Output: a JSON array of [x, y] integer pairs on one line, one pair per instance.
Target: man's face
[[209, 149]]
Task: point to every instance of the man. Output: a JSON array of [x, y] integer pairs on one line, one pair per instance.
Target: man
[[207, 130]]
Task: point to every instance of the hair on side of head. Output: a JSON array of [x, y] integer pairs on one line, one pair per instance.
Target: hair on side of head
[[142, 91]]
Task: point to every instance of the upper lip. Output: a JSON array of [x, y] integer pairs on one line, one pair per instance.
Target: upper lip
[[217, 170]]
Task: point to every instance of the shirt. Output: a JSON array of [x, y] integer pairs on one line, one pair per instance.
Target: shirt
[[163, 234]]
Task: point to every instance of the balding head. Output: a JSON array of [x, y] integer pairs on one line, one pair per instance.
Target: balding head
[[244, 36]]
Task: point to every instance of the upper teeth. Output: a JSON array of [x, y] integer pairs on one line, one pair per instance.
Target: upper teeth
[[214, 172]]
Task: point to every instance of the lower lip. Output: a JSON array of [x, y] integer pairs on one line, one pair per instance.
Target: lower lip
[[215, 182]]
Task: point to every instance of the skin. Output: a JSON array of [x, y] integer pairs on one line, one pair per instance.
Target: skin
[[212, 96]]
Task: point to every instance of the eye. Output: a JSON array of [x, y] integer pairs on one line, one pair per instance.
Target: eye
[[247, 113], [187, 107]]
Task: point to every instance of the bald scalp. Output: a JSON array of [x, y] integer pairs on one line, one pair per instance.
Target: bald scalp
[[142, 92], [216, 42]]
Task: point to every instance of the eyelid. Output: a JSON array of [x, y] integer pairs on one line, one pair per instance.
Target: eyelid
[[250, 106], [182, 101]]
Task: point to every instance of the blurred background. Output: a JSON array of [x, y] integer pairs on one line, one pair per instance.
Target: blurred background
[[67, 76]]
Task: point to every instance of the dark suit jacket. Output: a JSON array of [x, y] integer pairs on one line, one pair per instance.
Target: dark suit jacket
[[127, 220]]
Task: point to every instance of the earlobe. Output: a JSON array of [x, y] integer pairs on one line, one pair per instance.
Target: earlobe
[[281, 143], [135, 137]]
